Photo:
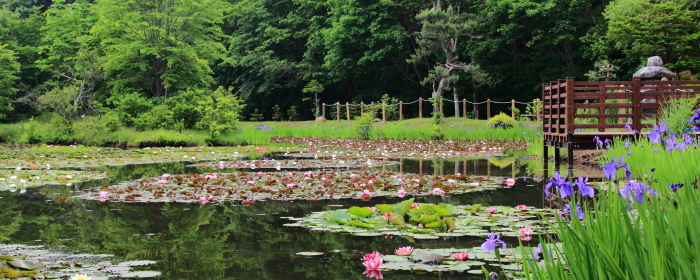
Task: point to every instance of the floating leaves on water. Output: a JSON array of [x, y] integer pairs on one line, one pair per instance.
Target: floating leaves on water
[[35, 262], [308, 254], [249, 187], [296, 164], [13, 180], [427, 221], [55, 157]]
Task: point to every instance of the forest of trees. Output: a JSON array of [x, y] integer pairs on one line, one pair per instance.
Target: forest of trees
[[161, 63]]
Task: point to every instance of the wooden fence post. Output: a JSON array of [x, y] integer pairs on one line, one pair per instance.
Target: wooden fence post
[[337, 111], [441, 101], [636, 101], [512, 108], [323, 109], [488, 109], [383, 111], [538, 103], [464, 108], [400, 110], [420, 107], [347, 110], [362, 107]]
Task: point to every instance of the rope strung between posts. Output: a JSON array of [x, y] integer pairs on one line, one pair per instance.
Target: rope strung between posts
[[427, 100]]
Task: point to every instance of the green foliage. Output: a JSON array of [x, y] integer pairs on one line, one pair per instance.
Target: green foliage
[[277, 113], [292, 113], [60, 100], [666, 29], [9, 68], [501, 121], [315, 88], [255, 116], [220, 112], [364, 125], [676, 113], [61, 131], [129, 106], [30, 132], [159, 116], [392, 112]]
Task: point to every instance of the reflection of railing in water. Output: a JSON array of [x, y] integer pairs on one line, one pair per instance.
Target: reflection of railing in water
[[461, 167]]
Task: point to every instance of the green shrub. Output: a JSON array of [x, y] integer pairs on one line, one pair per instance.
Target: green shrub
[[501, 121], [364, 125], [31, 132], [220, 112], [160, 116], [60, 131]]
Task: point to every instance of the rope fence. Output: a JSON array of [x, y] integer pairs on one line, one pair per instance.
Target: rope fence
[[420, 101]]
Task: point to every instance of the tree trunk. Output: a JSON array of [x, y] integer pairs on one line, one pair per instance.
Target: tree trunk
[[456, 101], [438, 92]]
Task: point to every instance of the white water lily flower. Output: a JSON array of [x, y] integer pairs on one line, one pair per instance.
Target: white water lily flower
[[18, 168], [80, 277], [13, 177]]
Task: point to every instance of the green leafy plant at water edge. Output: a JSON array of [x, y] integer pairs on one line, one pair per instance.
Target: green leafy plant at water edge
[[501, 121], [220, 112], [364, 124]]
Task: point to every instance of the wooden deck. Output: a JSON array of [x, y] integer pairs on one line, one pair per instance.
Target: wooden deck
[[574, 112]]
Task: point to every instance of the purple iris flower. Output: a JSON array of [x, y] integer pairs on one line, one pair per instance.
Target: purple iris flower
[[491, 242], [567, 210], [583, 188], [597, 141], [627, 126], [610, 168], [695, 117], [536, 253], [675, 187], [655, 134], [688, 139], [634, 189], [561, 184], [627, 144]]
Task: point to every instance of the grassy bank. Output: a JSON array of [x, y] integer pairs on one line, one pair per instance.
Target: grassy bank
[[261, 133]]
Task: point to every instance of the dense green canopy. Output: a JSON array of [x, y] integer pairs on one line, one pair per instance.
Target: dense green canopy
[[155, 64]]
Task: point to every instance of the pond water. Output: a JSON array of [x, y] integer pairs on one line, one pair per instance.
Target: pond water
[[193, 241]]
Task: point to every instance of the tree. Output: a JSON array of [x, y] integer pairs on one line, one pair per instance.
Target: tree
[[160, 46], [314, 87], [441, 30], [8, 69], [666, 30], [71, 55], [220, 112]]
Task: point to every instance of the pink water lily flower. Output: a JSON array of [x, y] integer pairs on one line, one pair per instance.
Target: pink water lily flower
[[202, 199], [438, 191], [491, 210], [388, 215], [250, 182], [404, 251], [521, 207], [474, 184], [162, 182], [451, 181], [366, 192], [414, 206], [401, 192], [370, 256], [510, 182], [165, 176], [525, 231], [103, 194], [461, 256], [290, 185], [525, 237], [373, 263], [373, 274]]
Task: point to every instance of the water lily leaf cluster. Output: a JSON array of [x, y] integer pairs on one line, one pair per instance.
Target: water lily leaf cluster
[[40, 157], [354, 148], [309, 185], [428, 221], [18, 261], [296, 164], [12, 180]]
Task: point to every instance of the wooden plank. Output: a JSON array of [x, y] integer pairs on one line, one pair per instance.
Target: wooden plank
[[609, 95], [570, 105], [604, 105], [593, 116], [579, 126]]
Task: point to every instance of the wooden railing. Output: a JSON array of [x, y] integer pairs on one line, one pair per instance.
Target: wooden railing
[[563, 99]]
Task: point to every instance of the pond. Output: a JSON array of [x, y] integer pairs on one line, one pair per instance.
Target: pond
[[232, 241]]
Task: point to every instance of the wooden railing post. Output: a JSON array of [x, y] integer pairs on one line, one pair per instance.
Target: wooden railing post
[[538, 104], [601, 109], [569, 105], [383, 111], [420, 107], [337, 111], [347, 111], [636, 100], [512, 108], [464, 108], [488, 109], [400, 110]]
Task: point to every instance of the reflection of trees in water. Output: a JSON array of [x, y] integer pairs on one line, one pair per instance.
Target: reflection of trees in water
[[220, 242]]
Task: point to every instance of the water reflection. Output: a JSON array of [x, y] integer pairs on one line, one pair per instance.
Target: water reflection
[[193, 241]]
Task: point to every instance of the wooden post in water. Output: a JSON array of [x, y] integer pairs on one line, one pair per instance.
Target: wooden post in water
[[420, 107], [401, 165], [383, 111], [337, 111], [512, 108], [465, 168], [420, 166], [347, 111], [488, 109], [464, 108], [400, 110]]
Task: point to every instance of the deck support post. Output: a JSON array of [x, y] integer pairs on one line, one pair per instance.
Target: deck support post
[[570, 153], [557, 155], [545, 152]]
